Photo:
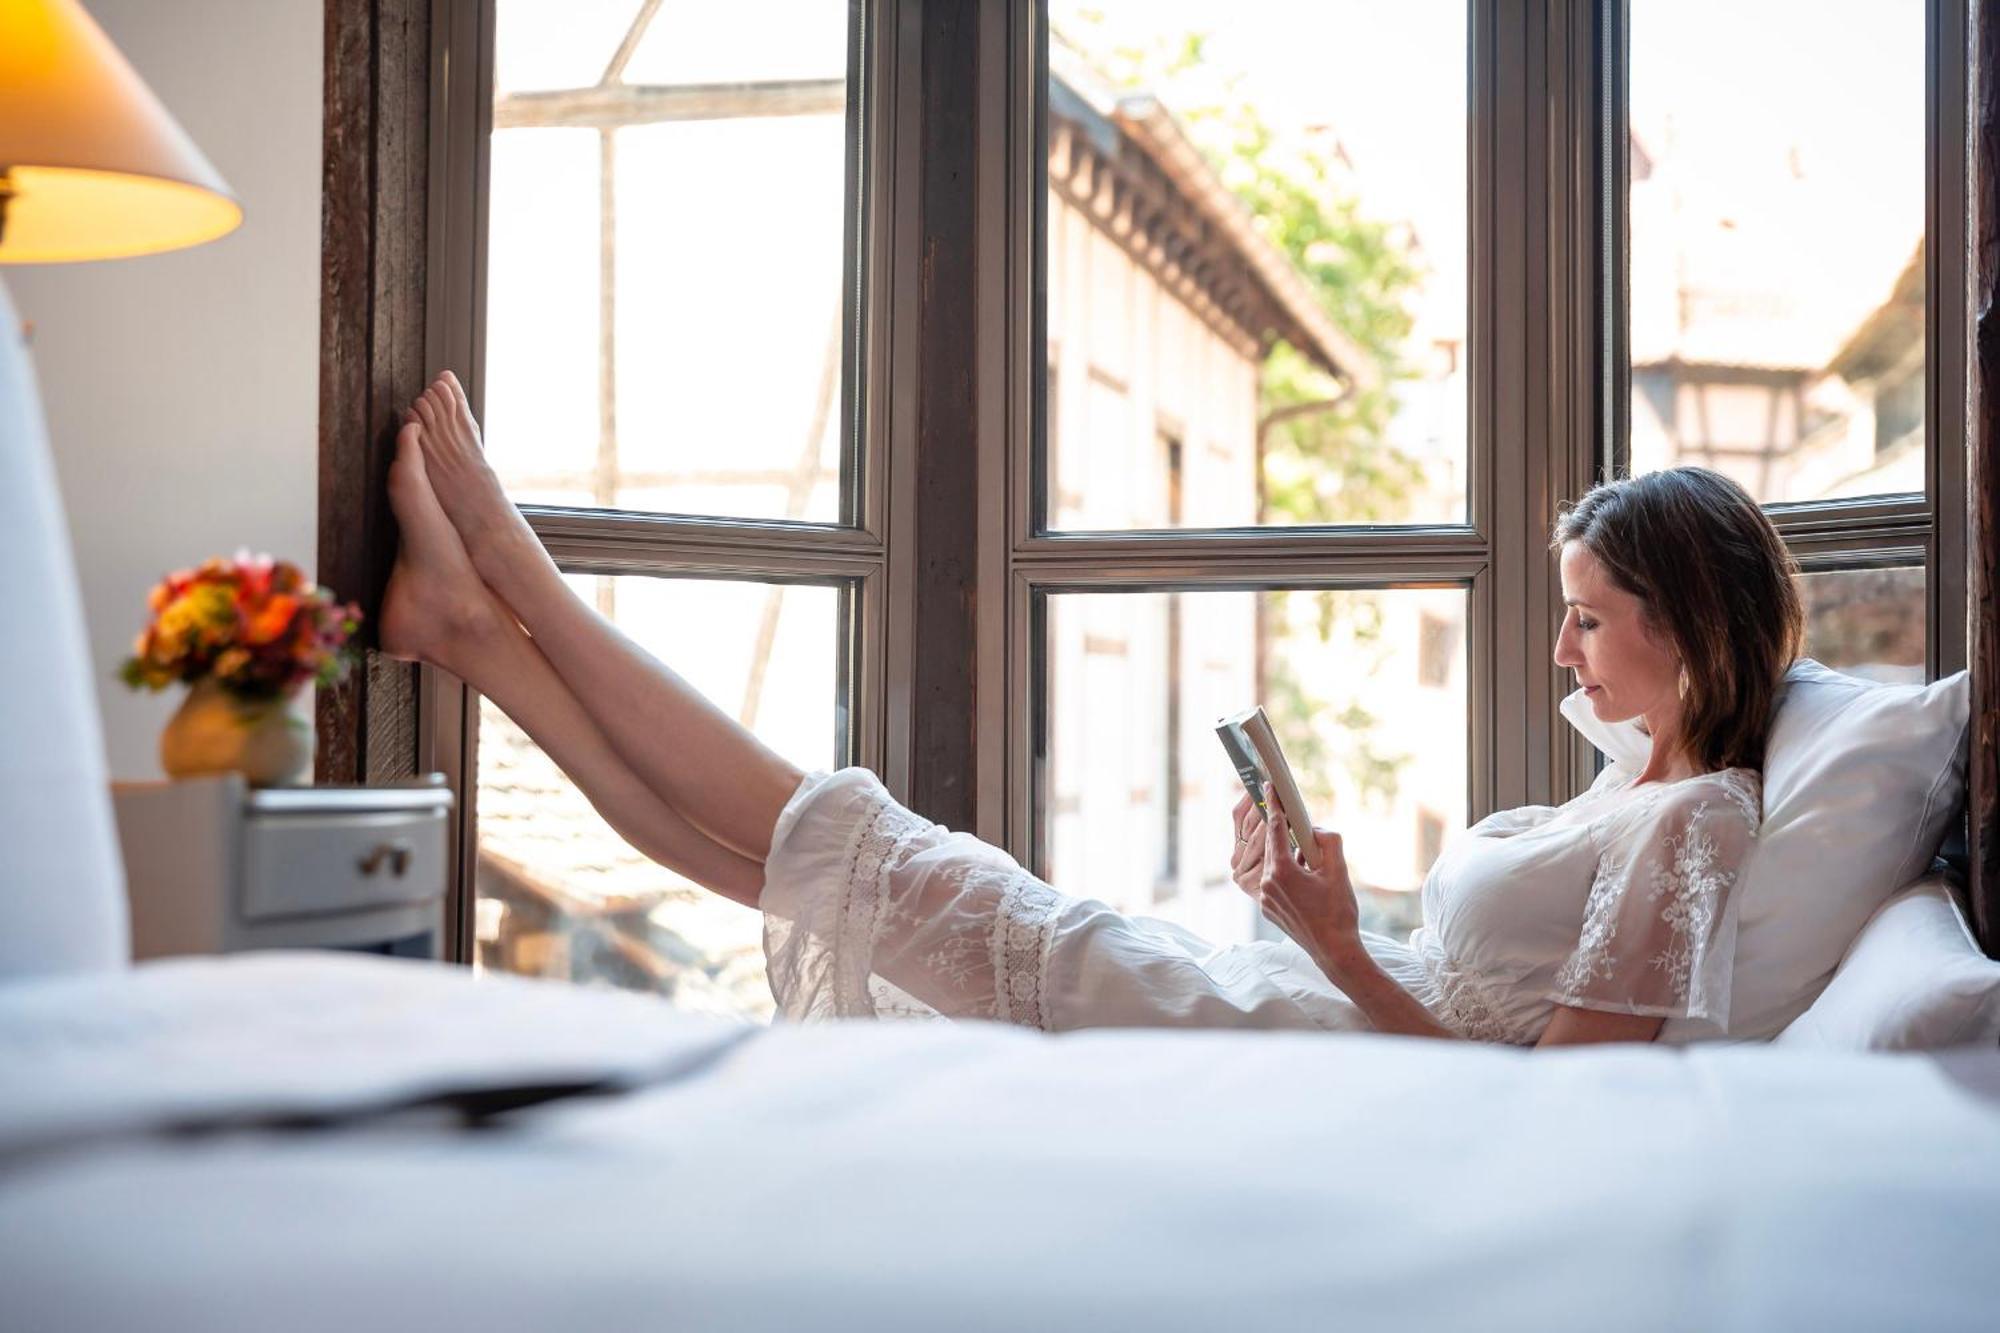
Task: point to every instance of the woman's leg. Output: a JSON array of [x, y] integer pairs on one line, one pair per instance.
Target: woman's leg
[[694, 756], [437, 610]]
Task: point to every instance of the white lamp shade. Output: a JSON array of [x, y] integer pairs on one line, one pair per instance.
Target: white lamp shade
[[96, 167]]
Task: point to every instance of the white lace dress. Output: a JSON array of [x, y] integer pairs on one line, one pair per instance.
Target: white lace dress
[[1619, 900]]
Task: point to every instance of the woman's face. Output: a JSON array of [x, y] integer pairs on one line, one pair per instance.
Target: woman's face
[[1628, 670]]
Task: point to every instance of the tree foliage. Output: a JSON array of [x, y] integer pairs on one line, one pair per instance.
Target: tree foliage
[[1328, 456]]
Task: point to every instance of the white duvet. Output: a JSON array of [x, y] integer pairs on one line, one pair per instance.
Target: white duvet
[[263, 1143]]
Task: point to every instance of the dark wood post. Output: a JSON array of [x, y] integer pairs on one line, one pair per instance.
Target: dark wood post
[[373, 256], [943, 711], [1982, 488]]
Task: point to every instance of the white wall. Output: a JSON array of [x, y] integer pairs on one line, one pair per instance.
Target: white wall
[[182, 390]]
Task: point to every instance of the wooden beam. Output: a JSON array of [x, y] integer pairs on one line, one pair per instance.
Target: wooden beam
[[1982, 482], [943, 703], [617, 106], [373, 266], [615, 71]]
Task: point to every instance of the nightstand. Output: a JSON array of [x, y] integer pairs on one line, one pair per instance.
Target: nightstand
[[213, 865]]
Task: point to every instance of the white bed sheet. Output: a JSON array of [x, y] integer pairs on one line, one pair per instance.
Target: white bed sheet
[[901, 1176]]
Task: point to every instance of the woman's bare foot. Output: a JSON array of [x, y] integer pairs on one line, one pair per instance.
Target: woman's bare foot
[[495, 535], [436, 608]]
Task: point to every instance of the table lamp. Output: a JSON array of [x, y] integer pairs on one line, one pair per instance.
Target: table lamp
[[91, 167]]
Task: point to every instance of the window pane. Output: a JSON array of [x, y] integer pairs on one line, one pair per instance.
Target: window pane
[[666, 258], [559, 893], [1867, 622], [1777, 223], [1367, 690], [1257, 298]]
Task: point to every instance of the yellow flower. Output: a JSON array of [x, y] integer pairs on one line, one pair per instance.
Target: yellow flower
[[179, 618], [214, 607]]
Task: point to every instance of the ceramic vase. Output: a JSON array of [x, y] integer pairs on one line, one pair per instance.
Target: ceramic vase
[[215, 731]]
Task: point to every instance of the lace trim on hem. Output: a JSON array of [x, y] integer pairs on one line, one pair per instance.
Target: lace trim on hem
[[865, 895], [1024, 930]]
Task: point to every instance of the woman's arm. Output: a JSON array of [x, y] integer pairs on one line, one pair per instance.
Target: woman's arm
[[1577, 1027], [1388, 1006], [1318, 910]]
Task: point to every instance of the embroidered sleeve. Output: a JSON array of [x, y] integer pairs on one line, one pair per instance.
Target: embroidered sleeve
[[1659, 930]]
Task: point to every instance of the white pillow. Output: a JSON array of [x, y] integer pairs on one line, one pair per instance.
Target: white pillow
[[1860, 782], [62, 886], [1913, 980]]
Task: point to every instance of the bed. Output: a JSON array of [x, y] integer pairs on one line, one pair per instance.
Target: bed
[[321, 1142]]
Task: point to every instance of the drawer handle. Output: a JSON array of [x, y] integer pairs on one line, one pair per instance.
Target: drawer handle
[[397, 854]]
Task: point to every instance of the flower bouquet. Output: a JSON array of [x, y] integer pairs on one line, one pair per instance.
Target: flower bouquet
[[245, 634]]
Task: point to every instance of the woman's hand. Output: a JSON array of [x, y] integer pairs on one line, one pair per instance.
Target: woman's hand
[[1315, 907], [1246, 858]]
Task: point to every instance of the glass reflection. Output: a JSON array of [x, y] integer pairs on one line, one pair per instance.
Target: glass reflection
[[560, 894], [1366, 689], [1777, 224], [1867, 622], [1257, 299]]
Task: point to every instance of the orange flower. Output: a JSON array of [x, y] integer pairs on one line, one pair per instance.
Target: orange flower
[[269, 622]]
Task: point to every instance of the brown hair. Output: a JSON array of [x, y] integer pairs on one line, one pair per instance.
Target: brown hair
[[1716, 582]]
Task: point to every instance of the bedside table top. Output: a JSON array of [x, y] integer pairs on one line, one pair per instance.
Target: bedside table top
[[349, 800], [228, 790]]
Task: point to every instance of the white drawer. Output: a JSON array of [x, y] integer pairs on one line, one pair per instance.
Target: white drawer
[[301, 865]]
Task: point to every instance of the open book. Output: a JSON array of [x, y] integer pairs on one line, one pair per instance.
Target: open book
[[1253, 748]]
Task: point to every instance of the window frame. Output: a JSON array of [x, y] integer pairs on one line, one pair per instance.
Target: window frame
[[1518, 441], [946, 465], [1860, 532], [850, 554]]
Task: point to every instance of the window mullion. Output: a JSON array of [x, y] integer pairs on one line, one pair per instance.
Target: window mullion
[[1519, 199], [1945, 372], [664, 534], [1251, 543]]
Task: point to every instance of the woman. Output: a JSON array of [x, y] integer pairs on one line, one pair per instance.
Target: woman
[[1605, 919]]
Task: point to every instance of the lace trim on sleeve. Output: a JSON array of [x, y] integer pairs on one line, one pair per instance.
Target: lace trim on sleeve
[[1688, 890], [1592, 959]]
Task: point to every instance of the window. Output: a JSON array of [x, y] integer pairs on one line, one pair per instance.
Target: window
[[1238, 244], [1788, 189], [1375, 752], [1437, 646], [1215, 384], [1431, 832], [671, 335], [665, 319], [1868, 622], [1777, 256], [560, 893]]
